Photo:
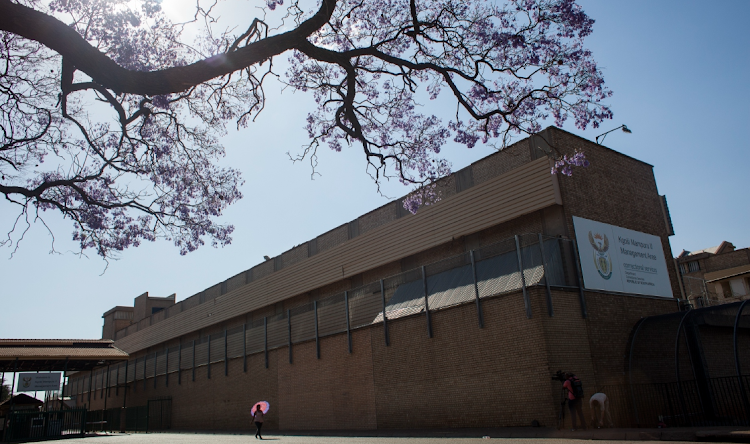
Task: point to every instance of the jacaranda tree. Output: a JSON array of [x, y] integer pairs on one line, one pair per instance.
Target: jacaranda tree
[[112, 113]]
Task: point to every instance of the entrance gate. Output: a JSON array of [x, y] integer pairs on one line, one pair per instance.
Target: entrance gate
[[32, 426], [159, 411]]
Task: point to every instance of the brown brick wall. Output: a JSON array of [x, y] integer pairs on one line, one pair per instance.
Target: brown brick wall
[[498, 375], [610, 323], [380, 216], [296, 254], [718, 350], [262, 270], [614, 189], [236, 281], [727, 260], [502, 162], [332, 238], [334, 392]]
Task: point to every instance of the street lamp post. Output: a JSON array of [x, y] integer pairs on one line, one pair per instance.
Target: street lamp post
[[624, 130]]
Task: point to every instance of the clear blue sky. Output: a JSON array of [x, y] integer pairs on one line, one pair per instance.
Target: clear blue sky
[[679, 71]]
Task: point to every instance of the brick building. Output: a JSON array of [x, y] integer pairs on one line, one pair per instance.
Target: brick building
[[393, 319], [719, 274]]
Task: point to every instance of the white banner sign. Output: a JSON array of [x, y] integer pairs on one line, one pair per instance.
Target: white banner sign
[[622, 260], [38, 382]]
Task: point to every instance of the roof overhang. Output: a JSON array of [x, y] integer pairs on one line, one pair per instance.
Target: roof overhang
[[726, 273], [20, 355]]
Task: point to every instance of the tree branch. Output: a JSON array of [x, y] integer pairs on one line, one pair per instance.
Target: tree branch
[[59, 37]]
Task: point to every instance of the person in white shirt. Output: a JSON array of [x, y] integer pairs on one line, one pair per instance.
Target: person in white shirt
[[599, 402]]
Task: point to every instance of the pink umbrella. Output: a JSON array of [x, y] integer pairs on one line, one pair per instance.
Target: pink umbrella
[[262, 405]]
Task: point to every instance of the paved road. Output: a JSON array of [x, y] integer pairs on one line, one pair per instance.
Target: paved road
[[180, 438]]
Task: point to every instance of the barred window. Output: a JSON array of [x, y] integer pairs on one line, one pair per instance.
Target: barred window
[[690, 267]]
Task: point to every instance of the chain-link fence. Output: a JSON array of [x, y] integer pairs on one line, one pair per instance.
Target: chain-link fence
[[507, 266]]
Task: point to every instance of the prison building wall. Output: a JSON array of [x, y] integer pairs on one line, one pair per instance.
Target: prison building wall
[[499, 374]]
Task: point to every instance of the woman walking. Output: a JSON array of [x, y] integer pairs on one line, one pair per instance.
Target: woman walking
[[258, 414]]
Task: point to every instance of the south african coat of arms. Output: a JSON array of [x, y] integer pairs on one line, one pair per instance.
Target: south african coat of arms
[[601, 254]]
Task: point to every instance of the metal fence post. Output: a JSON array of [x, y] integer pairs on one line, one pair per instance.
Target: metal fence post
[[135, 376], [745, 401], [179, 363], [630, 367], [677, 366], [125, 389], [550, 310], [426, 304], [208, 361], [385, 316], [579, 275], [166, 369], [145, 359], [317, 337], [476, 289], [526, 300], [348, 326], [244, 347], [117, 380], [289, 329], [106, 389], [265, 338], [226, 352]]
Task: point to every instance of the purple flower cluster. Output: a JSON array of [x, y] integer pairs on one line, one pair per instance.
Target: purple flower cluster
[[566, 163], [509, 66], [149, 169]]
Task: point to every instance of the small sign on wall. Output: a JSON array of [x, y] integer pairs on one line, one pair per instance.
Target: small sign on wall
[[38, 382], [617, 259]]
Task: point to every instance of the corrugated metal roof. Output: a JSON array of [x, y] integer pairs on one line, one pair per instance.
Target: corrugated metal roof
[[55, 342], [26, 353], [57, 354]]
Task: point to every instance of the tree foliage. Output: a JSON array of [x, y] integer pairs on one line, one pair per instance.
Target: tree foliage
[[112, 116], [4, 392]]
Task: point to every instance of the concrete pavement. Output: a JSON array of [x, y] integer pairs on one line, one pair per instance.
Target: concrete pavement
[[459, 436]]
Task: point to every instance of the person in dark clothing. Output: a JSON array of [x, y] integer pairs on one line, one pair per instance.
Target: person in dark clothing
[[575, 403], [258, 420]]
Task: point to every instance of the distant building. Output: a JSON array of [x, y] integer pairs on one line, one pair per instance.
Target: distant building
[[719, 274], [120, 318]]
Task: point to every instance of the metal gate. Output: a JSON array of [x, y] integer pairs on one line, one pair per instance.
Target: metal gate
[[160, 413], [136, 419], [155, 415], [32, 426]]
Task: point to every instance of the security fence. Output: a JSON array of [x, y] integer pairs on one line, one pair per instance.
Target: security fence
[[690, 367], [34, 425], [680, 404], [155, 415], [507, 266]]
